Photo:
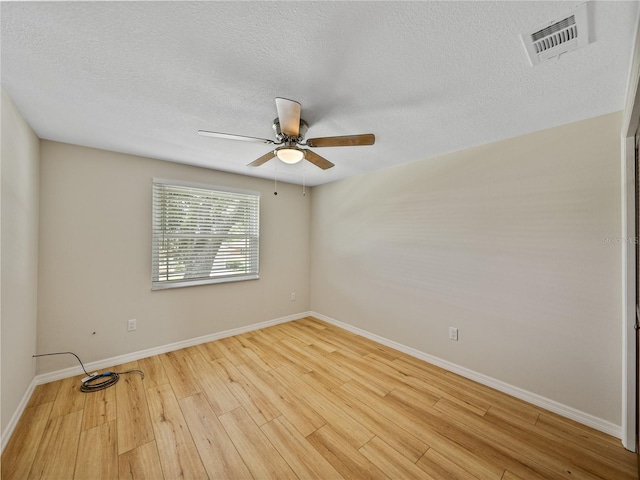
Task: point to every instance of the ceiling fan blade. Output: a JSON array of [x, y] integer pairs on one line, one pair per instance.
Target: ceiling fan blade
[[345, 141], [231, 136], [317, 160], [263, 159], [289, 116]]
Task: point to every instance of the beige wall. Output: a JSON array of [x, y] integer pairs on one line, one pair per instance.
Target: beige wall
[[506, 243], [19, 167], [95, 258]]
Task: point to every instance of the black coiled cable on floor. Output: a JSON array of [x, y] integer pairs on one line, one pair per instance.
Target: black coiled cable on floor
[[96, 382]]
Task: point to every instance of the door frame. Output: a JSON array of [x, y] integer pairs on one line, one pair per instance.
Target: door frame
[[631, 119]]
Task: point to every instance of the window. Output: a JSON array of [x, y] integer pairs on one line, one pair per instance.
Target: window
[[203, 234]]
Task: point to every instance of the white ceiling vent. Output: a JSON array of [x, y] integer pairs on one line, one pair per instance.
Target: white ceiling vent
[[557, 36]]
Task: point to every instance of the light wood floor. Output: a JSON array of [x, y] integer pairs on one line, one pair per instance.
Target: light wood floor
[[299, 400]]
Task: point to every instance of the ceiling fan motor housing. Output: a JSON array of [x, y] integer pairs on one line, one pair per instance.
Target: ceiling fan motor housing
[[280, 137]]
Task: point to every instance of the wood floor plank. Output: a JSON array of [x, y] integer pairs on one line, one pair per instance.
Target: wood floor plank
[[430, 380], [391, 462], [292, 356], [253, 353], [346, 459], [442, 467], [133, 423], [366, 367], [45, 393], [304, 418], [178, 453], [289, 332], [451, 407], [397, 437], [20, 452], [487, 465], [335, 415], [346, 341], [309, 325], [213, 387], [511, 476], [348, 364], [272, 334], [406, 443], [496, 447], [141, 463], [501, 411], [180, 375], [56, 457], [313, 323], [97, 457], [210, 351], [325, 378], [584, 437], [295, 331], [254, 401], [217, 451], [188, 351], [357, 344], [561, 453], [153, 369], [318, 363], [303, 459], [496, 399], [277, 356], [233, 350], [589, 442], [511, 452], [267, 361], [245, 335], [420, 395], [69, 397], [100, 407], [260, 456]]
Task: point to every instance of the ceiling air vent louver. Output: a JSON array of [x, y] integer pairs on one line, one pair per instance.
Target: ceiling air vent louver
[[558, 36]]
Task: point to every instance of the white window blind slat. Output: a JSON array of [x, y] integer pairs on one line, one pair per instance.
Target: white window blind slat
[[203, 235]]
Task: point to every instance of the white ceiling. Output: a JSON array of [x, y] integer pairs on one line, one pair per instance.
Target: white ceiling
[[426, 77]]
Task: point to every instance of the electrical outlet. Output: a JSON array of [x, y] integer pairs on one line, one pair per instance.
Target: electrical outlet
[[453, 333], [131, 325], [293, 296]]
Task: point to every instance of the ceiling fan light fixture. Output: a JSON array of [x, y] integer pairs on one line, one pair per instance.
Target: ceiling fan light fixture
[[290, 155]]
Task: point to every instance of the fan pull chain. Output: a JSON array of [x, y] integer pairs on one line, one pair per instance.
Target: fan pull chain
[[304, 194], [275, 181]]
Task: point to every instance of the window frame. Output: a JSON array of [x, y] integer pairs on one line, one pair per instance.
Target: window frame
[[156, 283]]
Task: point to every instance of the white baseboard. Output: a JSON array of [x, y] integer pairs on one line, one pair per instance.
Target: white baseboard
[[11, 426], [130, 357], [551, 405]]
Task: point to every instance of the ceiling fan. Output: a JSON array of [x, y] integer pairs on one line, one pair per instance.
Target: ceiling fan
[[290, 130]]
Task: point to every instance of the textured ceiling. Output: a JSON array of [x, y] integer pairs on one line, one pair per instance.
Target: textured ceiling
[[426, 77]]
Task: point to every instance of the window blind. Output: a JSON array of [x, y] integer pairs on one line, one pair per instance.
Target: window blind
[[203, 235]]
